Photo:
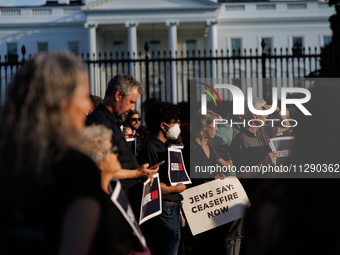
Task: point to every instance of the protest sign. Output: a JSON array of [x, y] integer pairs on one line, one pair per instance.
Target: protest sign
[[124, 207], [176, 168], [214, 203], [132, 143], [283, 145], [151, 205], [177, 146]]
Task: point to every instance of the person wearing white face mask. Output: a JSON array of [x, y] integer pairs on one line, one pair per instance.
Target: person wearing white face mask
[[173, 132], [162, 233]]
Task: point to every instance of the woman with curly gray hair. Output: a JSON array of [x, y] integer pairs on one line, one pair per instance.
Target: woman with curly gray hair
[[96, 142], [51, 201]]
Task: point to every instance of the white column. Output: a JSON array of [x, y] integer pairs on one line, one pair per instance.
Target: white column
[[173, 48], [132, 41], [92, 49], [132, 44], [213, 43]]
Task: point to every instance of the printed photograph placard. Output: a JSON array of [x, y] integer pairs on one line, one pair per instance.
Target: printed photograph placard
[[151, 205], [132, 143], [124, 207], [176, 168], [283, 145]]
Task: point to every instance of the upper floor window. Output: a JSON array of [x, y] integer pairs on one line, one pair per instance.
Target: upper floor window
[[155, 47], [239, 7], [74, 47], [191, 47], [236, 45], [118, 49], [327, 40], [268, 48], [265, 7], [297, 45], [12, 51], [42, 46]]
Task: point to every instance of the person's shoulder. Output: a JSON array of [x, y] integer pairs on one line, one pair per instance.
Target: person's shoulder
[[98, 117], [268, 131], [146, 148], [241, 141], [76, 154], [223, 129], [77, 161], [77, 174], [96, 114], [241, 136]]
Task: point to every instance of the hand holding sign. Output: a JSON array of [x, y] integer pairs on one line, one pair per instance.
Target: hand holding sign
[[143, 171]]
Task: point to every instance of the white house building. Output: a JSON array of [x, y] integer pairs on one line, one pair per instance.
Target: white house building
[[117, 26]]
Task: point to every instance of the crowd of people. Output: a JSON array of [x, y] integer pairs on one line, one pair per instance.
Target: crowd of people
[[64, 156]]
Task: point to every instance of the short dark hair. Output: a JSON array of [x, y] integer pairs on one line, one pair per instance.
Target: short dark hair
[[125, 83], [131, 113], [161, 112]]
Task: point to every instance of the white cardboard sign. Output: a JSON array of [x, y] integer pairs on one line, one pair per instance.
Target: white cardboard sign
[[214, 203]]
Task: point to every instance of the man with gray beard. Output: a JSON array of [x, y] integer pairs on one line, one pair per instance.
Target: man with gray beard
[[120, 97]]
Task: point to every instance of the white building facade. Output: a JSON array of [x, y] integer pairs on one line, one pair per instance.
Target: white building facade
[[121, 26]]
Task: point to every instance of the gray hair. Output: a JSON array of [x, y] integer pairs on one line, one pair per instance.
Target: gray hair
[[125, 83], [33, 128], [200, 120], [258, 103], [94, 139]]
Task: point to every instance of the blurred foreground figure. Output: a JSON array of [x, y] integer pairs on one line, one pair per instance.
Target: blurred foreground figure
[[96, 141], [51, 201], [299, 216]]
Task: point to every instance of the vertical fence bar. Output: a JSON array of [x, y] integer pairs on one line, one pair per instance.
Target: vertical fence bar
[[287, 64], [147, 83], [263, 45], [159, 76]]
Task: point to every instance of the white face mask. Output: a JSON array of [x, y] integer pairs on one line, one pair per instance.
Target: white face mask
[[173, 132]]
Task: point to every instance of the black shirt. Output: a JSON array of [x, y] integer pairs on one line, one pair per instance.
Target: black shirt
[[194, 156], [37, 227], [249, 150], [102, 115], [154, 151]]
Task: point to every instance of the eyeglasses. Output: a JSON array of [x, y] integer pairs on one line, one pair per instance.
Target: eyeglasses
[[135, 119], [114, 149]]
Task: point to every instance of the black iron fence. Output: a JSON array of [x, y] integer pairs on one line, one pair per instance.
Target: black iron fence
[[166, 76]]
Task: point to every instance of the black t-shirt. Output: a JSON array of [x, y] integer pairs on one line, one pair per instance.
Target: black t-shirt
[[102, 115], [37, 227], [249, 150], [154, 151], [194, 155]]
